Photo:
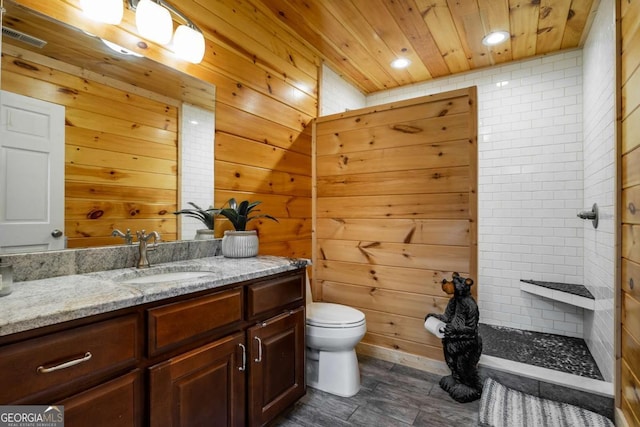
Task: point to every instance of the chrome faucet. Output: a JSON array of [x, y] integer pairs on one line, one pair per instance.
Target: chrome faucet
[[128, 238], [144, 247]]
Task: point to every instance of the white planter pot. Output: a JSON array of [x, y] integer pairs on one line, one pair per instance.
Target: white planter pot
[[204, 234], [240, 244]]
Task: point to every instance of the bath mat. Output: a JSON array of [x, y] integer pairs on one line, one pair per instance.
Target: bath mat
[[502, 406]]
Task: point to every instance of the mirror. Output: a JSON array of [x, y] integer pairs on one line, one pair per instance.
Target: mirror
[[125, 124]]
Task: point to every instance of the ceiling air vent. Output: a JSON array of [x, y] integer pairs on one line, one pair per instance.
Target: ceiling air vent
[[25, 38]]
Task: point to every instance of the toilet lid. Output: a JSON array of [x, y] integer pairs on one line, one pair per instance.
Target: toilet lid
[[333, 315]]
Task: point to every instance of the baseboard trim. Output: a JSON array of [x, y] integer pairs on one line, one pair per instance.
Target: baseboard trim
[[621, 420], [401, 358]]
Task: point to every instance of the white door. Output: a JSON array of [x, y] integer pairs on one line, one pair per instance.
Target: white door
[[31, 174]]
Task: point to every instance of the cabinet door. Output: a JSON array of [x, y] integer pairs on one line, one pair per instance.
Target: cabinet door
[[276, 376], [115, 403], [203, 387]]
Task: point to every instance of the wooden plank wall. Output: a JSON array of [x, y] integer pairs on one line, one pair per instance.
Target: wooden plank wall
[[120, 149], [629, 373], [396, 212], [266, 94]]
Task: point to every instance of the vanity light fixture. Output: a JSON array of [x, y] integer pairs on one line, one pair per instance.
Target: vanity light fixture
[[495, 37], [154, 21], [107, 11], [400, 63], [188, 44]]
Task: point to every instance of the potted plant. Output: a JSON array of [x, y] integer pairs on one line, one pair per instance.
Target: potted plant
[[240, 242], [206, 216]]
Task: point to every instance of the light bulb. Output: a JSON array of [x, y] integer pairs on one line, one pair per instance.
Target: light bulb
[[400, 63], [495, 37], [107, 11], [188, 44], [154, 22]]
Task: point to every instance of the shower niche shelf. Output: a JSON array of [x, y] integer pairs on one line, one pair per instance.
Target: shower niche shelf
[[567, 293]]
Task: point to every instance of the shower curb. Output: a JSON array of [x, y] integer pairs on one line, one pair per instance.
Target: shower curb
[[587, 393]]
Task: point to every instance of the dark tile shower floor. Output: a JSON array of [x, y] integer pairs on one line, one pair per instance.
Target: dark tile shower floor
[[557, 352]]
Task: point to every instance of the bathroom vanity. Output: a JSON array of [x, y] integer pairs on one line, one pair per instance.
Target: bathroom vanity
[[213, 341]]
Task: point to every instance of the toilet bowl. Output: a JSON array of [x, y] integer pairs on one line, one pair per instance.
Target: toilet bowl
[[332, 332]]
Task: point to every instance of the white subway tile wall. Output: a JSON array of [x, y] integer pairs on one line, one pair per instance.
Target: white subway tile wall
[[530, 185], [197, 141], [338, 96], [536, 121], [599, 184]]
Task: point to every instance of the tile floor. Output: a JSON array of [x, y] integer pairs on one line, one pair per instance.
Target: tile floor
[[395, 396], [392, 395]]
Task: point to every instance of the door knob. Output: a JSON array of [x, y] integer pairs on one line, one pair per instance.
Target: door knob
[[56, 233]]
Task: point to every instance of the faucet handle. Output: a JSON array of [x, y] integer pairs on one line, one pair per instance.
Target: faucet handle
[[128, 238]]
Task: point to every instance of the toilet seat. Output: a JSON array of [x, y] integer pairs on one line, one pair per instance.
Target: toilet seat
[[328, 315]]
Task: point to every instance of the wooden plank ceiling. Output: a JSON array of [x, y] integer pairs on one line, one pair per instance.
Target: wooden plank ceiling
[[359, 38]]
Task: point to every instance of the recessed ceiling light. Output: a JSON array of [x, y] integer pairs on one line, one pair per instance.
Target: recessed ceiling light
[[495, 37], [400, 63]]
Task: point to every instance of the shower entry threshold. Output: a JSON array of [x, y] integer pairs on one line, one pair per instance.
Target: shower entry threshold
[[547, 357], [561, 379]]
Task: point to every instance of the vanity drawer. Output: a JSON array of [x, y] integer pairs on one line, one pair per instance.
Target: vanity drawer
[[173, 324], [66, 359], [268, 296]]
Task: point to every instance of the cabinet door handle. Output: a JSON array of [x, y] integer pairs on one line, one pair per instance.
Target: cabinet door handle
[[259, 358], [244, 358], [70, 363]]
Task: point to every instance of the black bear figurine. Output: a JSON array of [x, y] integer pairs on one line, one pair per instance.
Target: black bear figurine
[[461, 343]]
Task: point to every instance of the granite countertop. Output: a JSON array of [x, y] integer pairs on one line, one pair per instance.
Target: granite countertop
[[44, 302]]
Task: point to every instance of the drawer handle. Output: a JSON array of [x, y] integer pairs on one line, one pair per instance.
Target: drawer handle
[[280, 316], [70, 363], [244, 358], [259, 358]]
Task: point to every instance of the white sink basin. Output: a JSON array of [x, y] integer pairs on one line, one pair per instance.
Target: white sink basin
[[167, 277]]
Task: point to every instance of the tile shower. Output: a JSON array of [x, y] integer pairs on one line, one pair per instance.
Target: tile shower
[[546, 151]]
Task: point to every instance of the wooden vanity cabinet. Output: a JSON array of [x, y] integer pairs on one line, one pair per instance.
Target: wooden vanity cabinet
[[203, 387], [117, 402], [177, 323], [246, 378], [276, 374], [226, 357], [60, 363], [91, 369]]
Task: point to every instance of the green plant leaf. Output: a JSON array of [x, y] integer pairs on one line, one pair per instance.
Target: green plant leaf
[[240, 214], [206, 216]]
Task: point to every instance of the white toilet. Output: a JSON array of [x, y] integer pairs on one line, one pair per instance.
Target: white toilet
[[332, 332]]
